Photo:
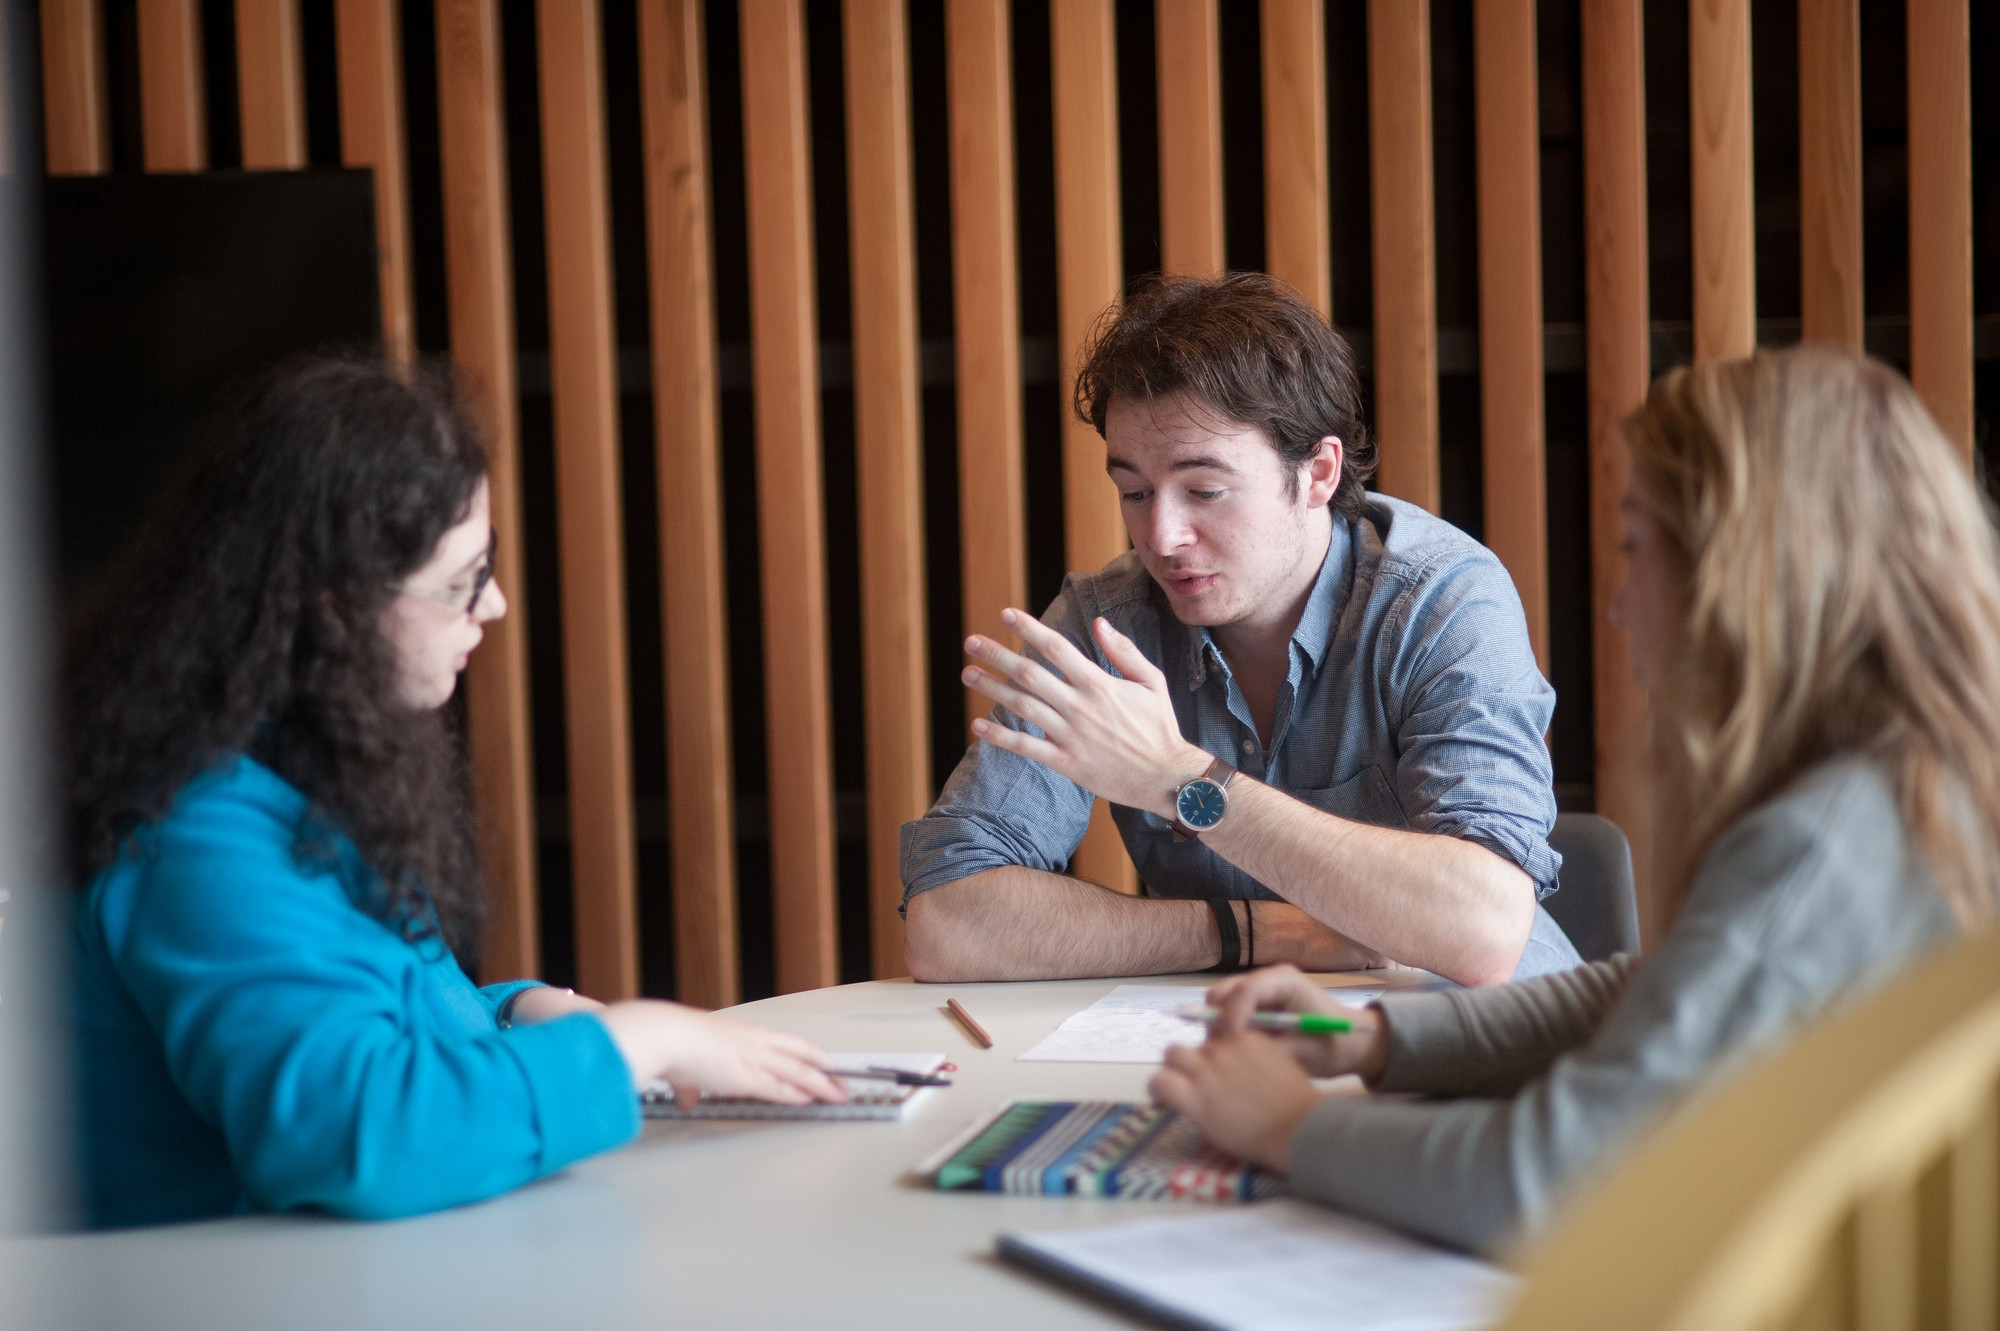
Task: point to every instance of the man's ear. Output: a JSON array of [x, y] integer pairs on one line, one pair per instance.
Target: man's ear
[[1321, 472]]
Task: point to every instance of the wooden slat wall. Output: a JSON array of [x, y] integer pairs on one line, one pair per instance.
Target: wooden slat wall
[[1297, 223], [1616, 314], [987, 313], [1188, 51], [1830, 170], [76, 108], [1083, 43], [271, 84], [1510, 302], [784, 335], [889, 452], [778, 147], [173, 107], [1725, 257], [687, 441], [479, 276], [1399, 150], [583, 373], [1941, 213], [368, 35]]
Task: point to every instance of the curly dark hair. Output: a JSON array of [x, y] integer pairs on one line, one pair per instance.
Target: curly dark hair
[[244, 620], [1248, 347]]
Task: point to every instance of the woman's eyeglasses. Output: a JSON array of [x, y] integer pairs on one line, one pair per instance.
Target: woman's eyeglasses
[[459, 598]]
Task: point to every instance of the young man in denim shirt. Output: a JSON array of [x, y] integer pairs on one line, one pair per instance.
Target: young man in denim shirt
[[1314, 710]]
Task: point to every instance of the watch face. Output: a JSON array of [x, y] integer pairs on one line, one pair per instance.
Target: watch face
[[1201, 803]]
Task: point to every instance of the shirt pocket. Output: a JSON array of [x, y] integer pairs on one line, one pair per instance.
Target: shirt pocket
[[1365, 797]]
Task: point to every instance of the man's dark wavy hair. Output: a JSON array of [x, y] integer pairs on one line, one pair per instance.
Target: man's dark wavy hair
[[245, 620], [1247, 347]]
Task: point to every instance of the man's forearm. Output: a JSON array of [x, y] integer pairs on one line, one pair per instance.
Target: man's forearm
[[1023, 924], [1426, 900]]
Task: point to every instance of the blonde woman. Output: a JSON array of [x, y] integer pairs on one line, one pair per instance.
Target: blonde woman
[[1813, 599]]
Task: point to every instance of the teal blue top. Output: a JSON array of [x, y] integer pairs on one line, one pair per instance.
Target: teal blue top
[[250, 1039]]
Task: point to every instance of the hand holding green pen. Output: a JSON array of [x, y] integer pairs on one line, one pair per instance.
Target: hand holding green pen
[[1277, 1023], [1326, 1037]]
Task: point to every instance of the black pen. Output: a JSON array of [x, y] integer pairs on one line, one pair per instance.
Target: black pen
[[897, 1075]]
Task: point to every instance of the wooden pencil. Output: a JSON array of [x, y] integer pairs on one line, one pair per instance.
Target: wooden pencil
[[973, 1028]]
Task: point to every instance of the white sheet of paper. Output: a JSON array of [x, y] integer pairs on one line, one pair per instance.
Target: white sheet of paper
[[1137, 1023], [1284, 1266]]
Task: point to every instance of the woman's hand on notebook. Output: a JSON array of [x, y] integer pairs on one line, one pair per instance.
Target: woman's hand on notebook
[[1285, 989], [1244, 1092], [701, 1051]]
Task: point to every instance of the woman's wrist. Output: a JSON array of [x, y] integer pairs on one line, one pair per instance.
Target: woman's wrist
[[544, 1003]]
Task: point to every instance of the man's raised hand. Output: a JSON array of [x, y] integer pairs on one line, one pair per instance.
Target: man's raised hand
[[1117, 738]]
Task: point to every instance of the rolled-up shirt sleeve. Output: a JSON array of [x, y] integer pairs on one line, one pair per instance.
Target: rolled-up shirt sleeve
[[1000, 809], [1472, 761]]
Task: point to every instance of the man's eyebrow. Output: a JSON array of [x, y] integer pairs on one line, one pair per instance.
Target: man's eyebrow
[[1202, 462]]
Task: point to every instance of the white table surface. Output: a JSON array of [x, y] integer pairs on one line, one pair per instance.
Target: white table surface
[[695, 1224]]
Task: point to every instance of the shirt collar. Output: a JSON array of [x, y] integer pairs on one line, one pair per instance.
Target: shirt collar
[[1314, 633]]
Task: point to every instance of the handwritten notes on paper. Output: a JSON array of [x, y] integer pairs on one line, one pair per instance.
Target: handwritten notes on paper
[[1138, 1023]]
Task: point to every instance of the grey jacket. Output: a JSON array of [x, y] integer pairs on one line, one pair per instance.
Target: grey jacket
[[1807, 901]]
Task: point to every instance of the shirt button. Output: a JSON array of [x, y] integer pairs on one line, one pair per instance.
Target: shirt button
[[1249, 746]]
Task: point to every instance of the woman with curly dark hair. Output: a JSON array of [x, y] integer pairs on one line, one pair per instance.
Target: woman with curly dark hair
[[271, 817]]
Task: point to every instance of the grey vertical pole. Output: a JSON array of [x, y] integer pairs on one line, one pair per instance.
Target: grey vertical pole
[[33, 990]]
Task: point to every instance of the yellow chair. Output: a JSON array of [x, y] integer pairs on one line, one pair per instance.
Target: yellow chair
[[1851, 1181]]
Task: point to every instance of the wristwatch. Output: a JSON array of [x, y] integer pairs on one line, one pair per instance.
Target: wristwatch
[[1200, 805]]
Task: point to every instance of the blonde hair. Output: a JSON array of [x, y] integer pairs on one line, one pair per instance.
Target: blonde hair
[[1842, 595]]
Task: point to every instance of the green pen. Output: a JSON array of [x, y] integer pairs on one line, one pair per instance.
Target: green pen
[[1277, 1023]]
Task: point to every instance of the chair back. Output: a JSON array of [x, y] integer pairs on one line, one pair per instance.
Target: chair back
[[1595, 901], [1852, 1180]]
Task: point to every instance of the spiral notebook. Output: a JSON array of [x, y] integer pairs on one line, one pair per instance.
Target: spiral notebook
[[880, 1101], [1279, 1266], [1093, 1148]]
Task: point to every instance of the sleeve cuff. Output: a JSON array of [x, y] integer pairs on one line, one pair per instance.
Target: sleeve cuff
[[582, 1090], [498, 996], [1425, 1032]]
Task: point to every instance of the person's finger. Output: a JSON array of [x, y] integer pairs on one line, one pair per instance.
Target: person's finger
[[1125, 654], [812, 1080], [1171, 1089], [1060, 651], [1236, 1011], [1018, 741], [1028, 706], [686, 1097], [1025, 672]]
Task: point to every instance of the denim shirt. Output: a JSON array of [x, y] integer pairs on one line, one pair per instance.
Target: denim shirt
[[1412, 701]]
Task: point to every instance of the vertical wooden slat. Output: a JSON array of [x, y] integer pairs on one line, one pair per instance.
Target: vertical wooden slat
[[1885, 1259], [1399, 149], [784, 333], [889, 452], [1616, 311], [1089, 263], [479, 281], [1298, 242], [1830, 170], [76, 114], [1725, 291], [687, 440], [987, 319], [1510, 302], [1188, 53], [271, 84], [583, 377], [369, 49], [172, 108], [1973, 1294], [1940, 71]]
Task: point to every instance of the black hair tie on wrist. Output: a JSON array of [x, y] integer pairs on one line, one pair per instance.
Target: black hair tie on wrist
[[1249, 935], [1232, 941]]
